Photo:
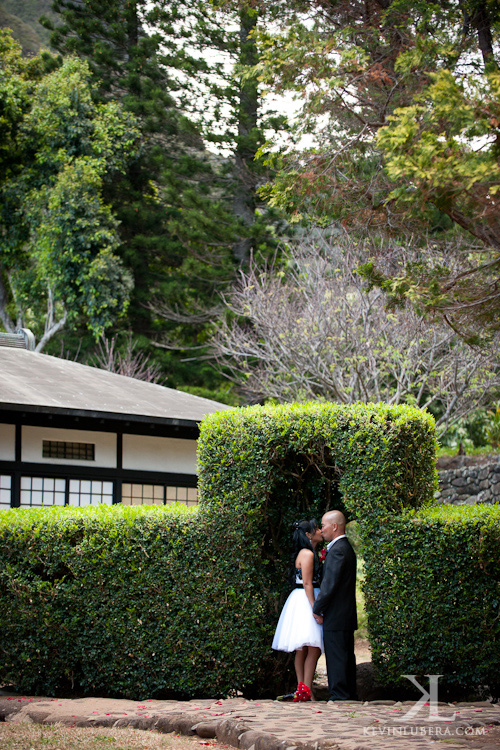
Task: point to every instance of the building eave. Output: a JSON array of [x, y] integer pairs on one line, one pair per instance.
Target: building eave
[[98, 420]]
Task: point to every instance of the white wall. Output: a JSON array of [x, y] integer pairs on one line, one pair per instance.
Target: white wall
[[7, 442], [159, 454], [33, 437]]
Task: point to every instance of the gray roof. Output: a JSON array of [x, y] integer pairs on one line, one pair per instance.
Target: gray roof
[[39, 382]]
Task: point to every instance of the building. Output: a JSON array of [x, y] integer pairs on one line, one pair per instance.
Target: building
[[76, 435]]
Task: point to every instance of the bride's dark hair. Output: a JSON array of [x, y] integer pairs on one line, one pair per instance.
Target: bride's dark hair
[[300, 540]]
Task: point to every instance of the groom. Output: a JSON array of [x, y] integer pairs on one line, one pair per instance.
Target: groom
[[335, 606]]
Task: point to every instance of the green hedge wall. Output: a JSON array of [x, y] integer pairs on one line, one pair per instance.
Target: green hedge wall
[[433, 597], [266, 461], [268, 466], [158, 601], [139, 602]]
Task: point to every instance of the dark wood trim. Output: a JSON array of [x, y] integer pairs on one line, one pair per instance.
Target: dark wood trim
[[15, 487], [18, 442], [117, 483], [119, 450], [98, 473], [99, 422]]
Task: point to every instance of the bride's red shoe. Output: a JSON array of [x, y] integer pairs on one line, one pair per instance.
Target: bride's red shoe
[[302, 694]]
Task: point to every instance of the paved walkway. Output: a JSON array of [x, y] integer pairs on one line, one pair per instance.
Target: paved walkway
[[270, 725]]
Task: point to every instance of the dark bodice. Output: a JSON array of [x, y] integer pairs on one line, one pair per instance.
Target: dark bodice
[[316, 576]]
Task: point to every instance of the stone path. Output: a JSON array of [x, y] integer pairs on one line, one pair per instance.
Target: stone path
[[270, 725]]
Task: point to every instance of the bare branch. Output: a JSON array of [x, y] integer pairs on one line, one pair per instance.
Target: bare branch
[[129, 362], [315, 332]]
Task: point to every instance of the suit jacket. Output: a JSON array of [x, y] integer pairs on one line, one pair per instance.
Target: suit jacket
[[336, 600]]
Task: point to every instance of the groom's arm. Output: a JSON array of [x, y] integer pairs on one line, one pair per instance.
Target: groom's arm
[[334, 565]]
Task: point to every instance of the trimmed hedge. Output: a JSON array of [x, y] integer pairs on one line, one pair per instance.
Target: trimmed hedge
[[147, 602], [371, 458], [139, 602], [268, 466], [433, 597]]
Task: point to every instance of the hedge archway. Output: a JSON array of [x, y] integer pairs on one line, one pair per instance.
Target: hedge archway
[[175, 602], [432, 589]]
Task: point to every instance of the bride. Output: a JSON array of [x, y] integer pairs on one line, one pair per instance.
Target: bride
[[297, 630]]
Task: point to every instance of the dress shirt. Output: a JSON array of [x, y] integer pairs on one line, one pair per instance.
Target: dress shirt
[[330, 544]]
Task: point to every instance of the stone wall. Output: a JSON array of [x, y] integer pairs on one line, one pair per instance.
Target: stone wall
[[466, 485]]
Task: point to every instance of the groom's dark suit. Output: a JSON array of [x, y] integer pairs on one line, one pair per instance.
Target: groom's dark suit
[[336, 601]]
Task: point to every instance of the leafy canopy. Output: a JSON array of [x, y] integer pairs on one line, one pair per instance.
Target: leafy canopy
[[59, 235]]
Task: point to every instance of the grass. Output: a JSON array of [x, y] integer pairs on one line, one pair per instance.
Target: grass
[[483, 450], [27, 736]]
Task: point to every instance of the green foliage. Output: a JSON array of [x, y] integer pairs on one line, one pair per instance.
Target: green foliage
[[431, 582], [267, 466], [133, 601], [493, 428], [59, 235], [471, 432], [174, 203], [128, 601], [433, 596], [401, 102], [442, 151]]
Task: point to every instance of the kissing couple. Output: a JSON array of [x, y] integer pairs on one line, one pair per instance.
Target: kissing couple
[[320, 613]]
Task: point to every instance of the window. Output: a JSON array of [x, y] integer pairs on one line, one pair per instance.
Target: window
[[90, 492], [187, 495], [143, 494], [5, 490], [61, 449], [42, 491], [157, 494]]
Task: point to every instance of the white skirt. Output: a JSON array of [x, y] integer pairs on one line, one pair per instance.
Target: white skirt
[[297, 627]]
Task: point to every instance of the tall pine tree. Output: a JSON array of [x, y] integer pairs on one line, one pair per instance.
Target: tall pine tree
[[176, 229]]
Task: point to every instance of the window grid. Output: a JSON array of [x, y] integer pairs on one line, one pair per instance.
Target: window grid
[[37, 492], [5, 491], [90, 492], [157, 494], [51, 491], [74, 451]]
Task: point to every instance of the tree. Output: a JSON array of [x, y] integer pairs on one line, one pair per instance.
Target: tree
[[125, 360], [364, 70], [444, 151], [58, 233], [219, 44], [310, 330], [179, 233]]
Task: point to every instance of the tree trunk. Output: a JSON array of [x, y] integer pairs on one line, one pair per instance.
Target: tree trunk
[[132, 26], [7, 321], [480, 21], [244, 202]]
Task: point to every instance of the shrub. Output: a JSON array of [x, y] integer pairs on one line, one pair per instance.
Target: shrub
[[138, 602], [433, 596], [270, 461], [265, 467], [144, 602]]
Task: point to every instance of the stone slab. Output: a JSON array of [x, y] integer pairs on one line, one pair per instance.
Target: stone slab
[[272, 725]]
